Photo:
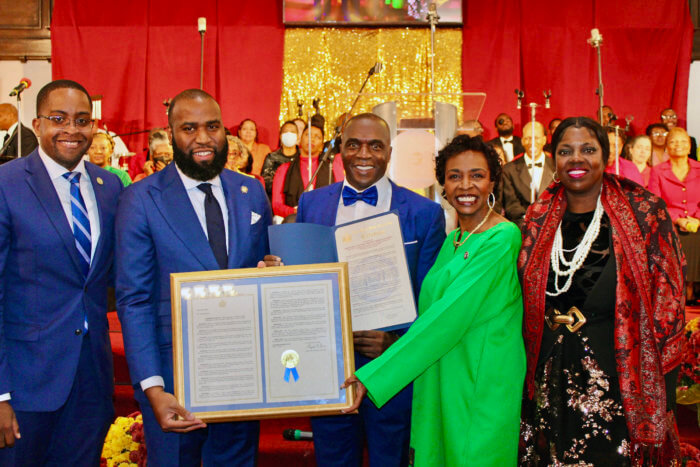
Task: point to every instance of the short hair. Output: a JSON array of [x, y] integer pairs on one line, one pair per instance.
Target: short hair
[[627, 154], [620, 132], [461, 144], [674, 130], [582, 122], [59, 84], [537, 125], [495, 121], [187, 94], [8, 108], [288, 122], [375, 118], [315, 124], [549, 127], [158, 137], [238, 128], [106, 136], [651, 127]]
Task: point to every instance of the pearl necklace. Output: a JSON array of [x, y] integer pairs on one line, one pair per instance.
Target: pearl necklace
[[460, 243], [580, 252]]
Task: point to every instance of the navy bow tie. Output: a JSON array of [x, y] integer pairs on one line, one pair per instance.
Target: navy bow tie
[[369, 196]]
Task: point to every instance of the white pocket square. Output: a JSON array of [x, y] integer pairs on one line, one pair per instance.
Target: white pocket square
[[254, 217], [410, 243]]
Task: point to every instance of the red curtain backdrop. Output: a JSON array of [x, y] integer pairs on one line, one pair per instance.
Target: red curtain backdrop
[[136, 54], [139, 53], [536, 45]]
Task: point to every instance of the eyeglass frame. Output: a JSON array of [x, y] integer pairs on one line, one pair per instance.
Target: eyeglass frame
[[52, 118]]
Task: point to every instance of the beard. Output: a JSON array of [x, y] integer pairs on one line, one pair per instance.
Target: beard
[[201, 172], [505, 133]]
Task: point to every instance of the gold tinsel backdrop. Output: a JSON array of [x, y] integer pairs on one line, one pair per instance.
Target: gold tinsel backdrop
[[331, 64]]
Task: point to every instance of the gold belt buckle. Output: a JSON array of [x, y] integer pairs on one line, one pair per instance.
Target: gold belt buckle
[[573, 319]]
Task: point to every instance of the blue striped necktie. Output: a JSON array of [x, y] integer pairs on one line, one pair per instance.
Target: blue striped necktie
[[81, 221]]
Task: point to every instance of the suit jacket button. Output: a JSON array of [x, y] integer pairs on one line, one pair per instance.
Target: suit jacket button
[[78, 332]]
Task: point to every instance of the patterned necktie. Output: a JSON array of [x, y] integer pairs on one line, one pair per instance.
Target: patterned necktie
[[216, 230], [369, 196], [81, 221]]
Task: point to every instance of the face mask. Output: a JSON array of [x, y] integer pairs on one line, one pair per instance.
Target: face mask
[[289, 139]]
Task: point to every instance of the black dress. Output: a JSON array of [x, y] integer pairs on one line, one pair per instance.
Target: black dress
[[576, 416]]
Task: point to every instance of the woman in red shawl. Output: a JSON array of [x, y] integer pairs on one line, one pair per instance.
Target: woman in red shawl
[[603, 286]]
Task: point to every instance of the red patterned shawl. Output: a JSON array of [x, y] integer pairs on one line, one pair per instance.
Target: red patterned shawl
[[649, 305]]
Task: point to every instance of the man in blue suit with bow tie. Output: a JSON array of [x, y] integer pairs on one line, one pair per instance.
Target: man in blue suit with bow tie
[[366, 191], [56, 252], [191, 216]]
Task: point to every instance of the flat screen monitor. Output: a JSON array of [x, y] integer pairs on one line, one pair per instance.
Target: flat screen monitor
[[358, 13]]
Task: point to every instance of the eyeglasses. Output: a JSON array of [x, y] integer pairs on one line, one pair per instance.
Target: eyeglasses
[[659, 134], [64, 122], [669, 117]]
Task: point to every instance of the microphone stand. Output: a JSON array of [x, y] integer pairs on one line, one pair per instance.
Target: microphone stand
[[533, 112], [202, 28], [596, 40], [19, 124], [432, 18], [336, 133]]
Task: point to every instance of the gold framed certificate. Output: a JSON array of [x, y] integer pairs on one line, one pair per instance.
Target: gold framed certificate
[[262, 342]]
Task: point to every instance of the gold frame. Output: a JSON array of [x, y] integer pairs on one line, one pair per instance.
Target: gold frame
[[341, 269]]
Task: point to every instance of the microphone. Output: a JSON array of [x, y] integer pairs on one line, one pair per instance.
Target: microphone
[[377, 68], [297, 435], [202, 24], [24, 83], [596, 38], [520, 95]]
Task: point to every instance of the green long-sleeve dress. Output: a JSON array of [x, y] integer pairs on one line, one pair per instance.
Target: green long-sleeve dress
[[465, 355]]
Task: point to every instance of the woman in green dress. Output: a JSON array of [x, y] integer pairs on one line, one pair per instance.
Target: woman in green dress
[[464, 353]]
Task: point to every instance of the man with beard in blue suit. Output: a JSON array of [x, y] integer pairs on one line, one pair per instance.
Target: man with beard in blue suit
[[367, 191], [56, 252], [191, 216]]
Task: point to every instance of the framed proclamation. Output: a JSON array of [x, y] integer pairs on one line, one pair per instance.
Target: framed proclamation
[[262, 343]]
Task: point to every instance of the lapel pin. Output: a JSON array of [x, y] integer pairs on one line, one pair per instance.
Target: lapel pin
[[244, 189], [99, 181]]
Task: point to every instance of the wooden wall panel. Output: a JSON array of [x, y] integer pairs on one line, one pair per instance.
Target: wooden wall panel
[[25, 29]]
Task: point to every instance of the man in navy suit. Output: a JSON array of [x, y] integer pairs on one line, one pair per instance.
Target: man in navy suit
[[190, 216], [56, 251], [366, 191]]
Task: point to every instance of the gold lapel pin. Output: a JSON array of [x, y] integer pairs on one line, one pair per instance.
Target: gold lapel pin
[[99, 181], [244, 189]]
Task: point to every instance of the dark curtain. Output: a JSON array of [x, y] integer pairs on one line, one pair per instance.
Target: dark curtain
[[536, 45]]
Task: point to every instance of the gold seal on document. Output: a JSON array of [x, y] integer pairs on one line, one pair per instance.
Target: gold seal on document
[[99, 181], [244, 189], [290, 359]]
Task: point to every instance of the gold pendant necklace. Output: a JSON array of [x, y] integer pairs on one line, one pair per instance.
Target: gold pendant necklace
[[458, 244]]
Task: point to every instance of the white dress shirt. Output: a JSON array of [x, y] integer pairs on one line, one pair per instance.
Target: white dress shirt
[[197, 198], [535, 172], [7, 132], [62, 187], [360, 209], [507, 148]]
